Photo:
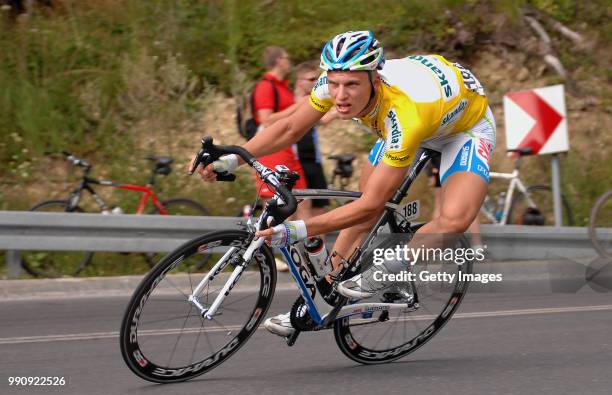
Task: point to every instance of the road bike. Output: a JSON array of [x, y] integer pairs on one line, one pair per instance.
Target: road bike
[[57, 264], [600, 225], [532, 205], [183, 321]]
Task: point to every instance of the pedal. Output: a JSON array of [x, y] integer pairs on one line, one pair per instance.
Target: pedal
[[291, 339]]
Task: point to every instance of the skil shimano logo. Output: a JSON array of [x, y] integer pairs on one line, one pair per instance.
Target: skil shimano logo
[[452, 114], [394, 130], [464, 155], [448, 91]]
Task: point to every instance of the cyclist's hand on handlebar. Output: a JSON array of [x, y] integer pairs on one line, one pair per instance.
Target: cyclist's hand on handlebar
[[224, 165], [284, 234]]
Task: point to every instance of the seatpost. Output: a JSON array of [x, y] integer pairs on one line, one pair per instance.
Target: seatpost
[[152, 178]]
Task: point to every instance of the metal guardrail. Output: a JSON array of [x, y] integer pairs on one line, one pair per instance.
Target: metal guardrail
[[96, 232], [146, 233]]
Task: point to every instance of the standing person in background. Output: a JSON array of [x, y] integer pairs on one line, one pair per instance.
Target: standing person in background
[[271, 95], [308, 150]]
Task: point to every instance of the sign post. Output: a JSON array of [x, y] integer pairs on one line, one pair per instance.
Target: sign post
[[556, 188], [537, 119]]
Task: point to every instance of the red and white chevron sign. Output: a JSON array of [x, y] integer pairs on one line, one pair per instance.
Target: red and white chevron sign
[[537, 119]]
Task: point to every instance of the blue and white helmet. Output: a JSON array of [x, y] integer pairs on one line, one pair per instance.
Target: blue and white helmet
[[353, 51]]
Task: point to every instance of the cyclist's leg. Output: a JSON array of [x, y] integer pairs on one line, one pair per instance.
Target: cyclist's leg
[[464, 174]]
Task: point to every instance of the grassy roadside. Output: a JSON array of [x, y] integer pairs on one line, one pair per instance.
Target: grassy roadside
[[114, 81]]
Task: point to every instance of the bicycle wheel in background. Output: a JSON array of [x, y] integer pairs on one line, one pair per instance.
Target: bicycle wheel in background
[[381, 336], [54, 263], [178, 206], [521, 213], [181, 206], [163, 336], [600, 225]]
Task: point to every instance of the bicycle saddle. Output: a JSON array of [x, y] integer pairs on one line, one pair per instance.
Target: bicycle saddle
[[162, 164], [523, 151], [344, 165]]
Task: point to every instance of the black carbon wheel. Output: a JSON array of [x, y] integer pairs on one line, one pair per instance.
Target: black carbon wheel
[[164, 337]]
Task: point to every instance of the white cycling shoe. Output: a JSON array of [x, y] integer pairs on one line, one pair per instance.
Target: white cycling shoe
[[280, 325], [364, 286]]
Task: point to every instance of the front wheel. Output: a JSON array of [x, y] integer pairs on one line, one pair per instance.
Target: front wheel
[[381, 335], [55, 263], [543, 213], [164, 337]]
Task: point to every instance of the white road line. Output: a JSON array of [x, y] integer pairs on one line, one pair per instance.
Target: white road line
[[106, 335]]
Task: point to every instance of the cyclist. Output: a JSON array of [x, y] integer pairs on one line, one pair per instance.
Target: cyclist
[[421, 100]]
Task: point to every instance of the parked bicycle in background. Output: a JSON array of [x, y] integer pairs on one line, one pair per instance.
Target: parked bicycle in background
[[56, 264], [520, 204], [600, 225]]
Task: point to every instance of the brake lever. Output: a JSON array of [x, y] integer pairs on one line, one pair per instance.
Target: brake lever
[[204, 158], [198, 161]]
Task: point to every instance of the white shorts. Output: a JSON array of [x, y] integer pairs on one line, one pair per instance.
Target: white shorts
[[466, 151]]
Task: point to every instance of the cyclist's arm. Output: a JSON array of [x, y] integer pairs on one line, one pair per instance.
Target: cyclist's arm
[[282, 114], [329, 116], [264, 115], [285, 131], [381, 185], [272, 139]]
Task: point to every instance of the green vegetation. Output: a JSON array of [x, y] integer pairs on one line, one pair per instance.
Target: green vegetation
[[115, 80]]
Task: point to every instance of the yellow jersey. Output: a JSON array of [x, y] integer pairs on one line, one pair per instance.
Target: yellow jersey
[[421, 97]]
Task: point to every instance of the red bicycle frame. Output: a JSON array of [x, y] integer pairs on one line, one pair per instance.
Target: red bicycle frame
[[147, 193]]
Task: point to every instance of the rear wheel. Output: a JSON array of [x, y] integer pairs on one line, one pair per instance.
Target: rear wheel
[[181, 206], [164, 337], [54, 263], [543, 213], [600, 223], [381, 336]]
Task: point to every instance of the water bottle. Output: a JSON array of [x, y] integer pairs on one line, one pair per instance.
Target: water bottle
[[501, 201], [317, 254]]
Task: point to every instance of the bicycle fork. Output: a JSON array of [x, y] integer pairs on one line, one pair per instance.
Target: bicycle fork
[[210, 311]]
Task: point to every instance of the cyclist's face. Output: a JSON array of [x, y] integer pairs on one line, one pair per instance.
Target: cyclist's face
[[350, 91]]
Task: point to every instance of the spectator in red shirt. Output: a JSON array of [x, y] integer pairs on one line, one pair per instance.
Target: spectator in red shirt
[[272, 94]]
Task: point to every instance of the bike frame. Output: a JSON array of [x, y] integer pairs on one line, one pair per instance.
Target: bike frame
[[515, 183], [319, 309], [146, 191]]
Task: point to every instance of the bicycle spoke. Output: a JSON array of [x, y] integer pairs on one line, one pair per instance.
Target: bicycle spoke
[[196, 343], [179, 337]]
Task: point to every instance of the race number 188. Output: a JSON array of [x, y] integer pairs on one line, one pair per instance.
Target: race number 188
[[411, 210], [36, 380]]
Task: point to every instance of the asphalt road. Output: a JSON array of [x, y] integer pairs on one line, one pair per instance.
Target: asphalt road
[[526, 340]]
